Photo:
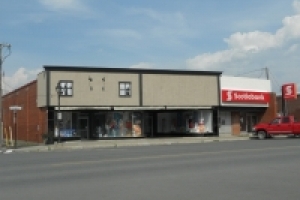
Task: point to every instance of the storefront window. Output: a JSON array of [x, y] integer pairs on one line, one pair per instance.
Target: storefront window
[[200, 121], [119, 124], [243, 122], [205, 121], [137, 124], [67, 126], [187, 121]]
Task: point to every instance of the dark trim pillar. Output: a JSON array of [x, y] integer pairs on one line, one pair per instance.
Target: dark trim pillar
[[283, 103]]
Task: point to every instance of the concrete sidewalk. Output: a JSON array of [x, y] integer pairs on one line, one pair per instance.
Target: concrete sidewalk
[[115, 143]]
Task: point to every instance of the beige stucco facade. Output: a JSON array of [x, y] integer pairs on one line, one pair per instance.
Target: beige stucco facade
[[42, 89], [180, 90], [97, 88], [90, 90]]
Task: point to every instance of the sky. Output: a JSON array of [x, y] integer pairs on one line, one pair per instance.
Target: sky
[[238, 38]]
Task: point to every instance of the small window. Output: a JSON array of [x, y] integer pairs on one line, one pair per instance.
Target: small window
[[125, 89]]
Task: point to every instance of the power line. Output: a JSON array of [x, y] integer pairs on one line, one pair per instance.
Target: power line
[[255, 70], [274, 80], [261, 73]]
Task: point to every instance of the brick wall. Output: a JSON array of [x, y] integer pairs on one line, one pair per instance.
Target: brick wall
[[31, 121], [292, 106], [271, 111]]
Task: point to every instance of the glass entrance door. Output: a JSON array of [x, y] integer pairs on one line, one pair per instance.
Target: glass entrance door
[[251, 121], [84, 127]]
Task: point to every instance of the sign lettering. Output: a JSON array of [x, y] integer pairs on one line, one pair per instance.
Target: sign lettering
[[237, 96]]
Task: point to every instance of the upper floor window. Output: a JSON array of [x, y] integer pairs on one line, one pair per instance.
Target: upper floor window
[[66, 88], [125, 89]]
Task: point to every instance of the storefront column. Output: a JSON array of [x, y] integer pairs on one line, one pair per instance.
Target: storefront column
[[236, 124]]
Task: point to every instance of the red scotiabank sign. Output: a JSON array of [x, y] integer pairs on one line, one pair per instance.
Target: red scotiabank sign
[[289, 91], [238, 96]]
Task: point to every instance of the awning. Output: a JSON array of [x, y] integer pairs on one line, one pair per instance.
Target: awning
[[83, 108], [188, 107], [136, 108], [140, 108], [245, 105]]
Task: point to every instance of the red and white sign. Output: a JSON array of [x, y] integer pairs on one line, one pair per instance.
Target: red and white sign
[[238, 96], [289, 91]]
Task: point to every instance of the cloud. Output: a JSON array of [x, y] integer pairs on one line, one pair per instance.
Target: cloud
[[19, 78], [64, 5], [252, 41], [296, 5], [143, 65], [246, 45], [209, 60], [293, 48]]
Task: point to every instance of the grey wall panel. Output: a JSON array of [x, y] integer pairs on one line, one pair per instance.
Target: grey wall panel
[[91, 93], [180, 90], [42, 89]]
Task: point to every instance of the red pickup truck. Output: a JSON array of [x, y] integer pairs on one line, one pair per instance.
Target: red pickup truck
[[286, 125]]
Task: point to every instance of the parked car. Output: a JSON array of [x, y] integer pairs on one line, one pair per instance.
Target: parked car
[[286, 125]]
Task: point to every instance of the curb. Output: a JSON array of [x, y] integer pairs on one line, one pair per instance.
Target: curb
[[66, 147]]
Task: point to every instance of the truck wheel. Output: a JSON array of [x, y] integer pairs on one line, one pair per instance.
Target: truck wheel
[[261, 135]]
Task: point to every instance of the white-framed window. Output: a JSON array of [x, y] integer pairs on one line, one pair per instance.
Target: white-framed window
[[125, 89]]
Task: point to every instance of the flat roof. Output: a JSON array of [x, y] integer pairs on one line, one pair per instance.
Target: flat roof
[[128, 70]]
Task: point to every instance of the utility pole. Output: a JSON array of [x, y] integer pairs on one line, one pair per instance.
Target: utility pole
[[2, 58], [267, 73]]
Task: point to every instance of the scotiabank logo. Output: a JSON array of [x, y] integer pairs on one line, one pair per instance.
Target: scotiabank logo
[[289, 91], [245, 96], [229, 95]]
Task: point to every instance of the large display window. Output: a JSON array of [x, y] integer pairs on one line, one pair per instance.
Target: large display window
[[131, 124], [100, 124], [199, 121], [119, 124]]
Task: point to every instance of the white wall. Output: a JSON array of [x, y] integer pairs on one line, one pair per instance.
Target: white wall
[[225, 122], [244, 84]]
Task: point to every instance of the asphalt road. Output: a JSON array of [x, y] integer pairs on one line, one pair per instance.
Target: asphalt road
[[237, 170]]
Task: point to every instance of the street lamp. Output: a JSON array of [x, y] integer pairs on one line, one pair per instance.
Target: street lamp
[[59, 90]]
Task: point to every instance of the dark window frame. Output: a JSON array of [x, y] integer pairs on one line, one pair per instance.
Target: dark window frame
[[68, 88], [127, 90]]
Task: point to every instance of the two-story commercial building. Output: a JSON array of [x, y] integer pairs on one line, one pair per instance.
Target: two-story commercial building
[[110, 102], [102, 103]]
